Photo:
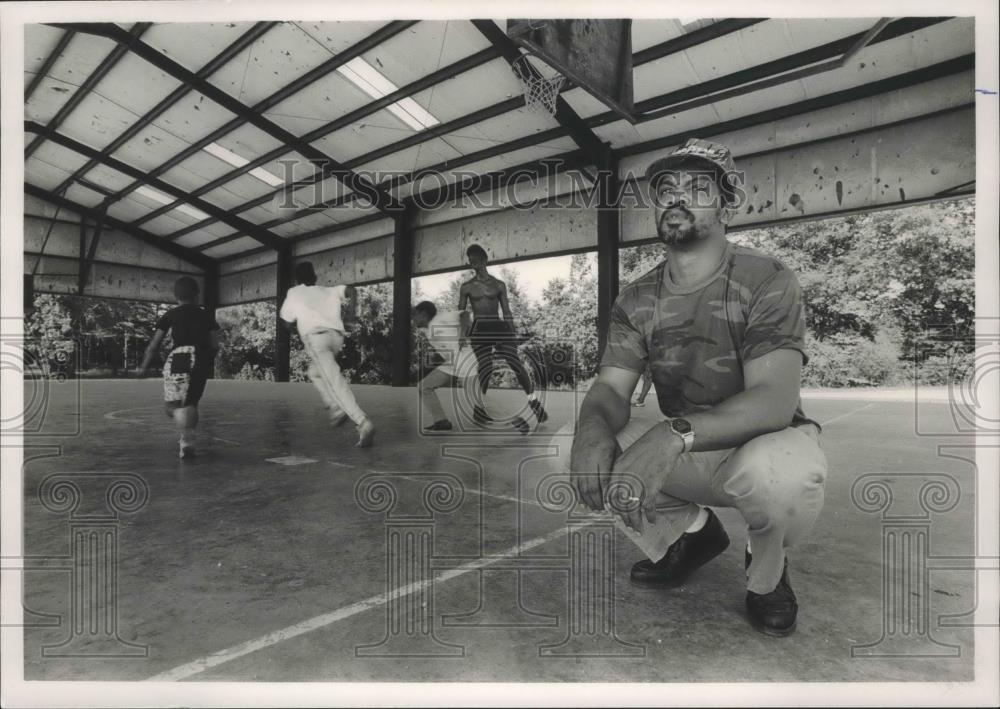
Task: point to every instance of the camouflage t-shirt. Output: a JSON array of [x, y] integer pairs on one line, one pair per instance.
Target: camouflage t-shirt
[[694, 351]]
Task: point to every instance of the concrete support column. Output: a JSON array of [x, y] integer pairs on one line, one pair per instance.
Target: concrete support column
[[82, 260], [608, 240], [402, 272], [282, 335], [211, 299]]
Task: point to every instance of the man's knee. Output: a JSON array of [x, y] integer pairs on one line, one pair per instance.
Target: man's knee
[[777, 470]]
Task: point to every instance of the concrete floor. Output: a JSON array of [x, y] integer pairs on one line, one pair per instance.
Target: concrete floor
[[237, 568]]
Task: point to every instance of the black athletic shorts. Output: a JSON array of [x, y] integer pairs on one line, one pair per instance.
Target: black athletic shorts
[[491, 331]]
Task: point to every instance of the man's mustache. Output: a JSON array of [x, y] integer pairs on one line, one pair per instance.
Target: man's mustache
[[670, 211]]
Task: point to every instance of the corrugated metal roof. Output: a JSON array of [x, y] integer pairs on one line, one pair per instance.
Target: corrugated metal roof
[[376, 143]]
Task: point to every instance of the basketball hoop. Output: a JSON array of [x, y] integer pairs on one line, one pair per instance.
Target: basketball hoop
[[540, 92]]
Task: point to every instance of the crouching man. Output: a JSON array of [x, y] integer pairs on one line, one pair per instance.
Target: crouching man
[[722, 329]]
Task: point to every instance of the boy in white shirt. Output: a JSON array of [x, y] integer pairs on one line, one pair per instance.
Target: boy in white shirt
[[447, 332], [317, 312]]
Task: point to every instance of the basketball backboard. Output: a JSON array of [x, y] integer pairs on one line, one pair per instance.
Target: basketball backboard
[[595, 55]]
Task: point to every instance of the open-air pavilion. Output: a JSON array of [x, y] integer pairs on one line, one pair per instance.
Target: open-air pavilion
[[230, 151]]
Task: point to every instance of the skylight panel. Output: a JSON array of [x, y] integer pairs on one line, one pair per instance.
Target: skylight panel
[[158, 196], [368, 79], [228, 156]]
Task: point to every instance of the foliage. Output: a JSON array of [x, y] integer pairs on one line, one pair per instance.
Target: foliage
[[246, 341], [367, 356], [902, 270], [851, 360], [48, 334], [96, 333], [564, 338]]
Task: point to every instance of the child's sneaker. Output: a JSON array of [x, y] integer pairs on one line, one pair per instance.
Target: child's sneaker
[[539, 410], [366, 433], [480, 416], [521, 426]]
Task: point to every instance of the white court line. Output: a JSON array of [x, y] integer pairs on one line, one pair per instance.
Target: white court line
[[279, 636], [320, 621], [849, 413], [470, 490], [113, 416]]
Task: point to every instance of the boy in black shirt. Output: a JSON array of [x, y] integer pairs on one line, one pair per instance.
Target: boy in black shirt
[[186, 368]]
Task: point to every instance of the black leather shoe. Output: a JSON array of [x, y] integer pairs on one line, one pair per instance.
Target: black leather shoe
[[539, 410], [521, 426], [692, 550], [442, 425], [480, 416], [774, 613]]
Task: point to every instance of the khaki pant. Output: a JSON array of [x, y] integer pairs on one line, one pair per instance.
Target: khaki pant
[[776, 481], [323, 347], [471, 394]]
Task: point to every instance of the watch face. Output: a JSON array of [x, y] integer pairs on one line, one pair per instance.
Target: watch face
[[680, 426]]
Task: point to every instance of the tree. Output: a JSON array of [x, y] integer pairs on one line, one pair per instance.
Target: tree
[[367, 355], [246, 340], [634, 261], [900, 269], [49, 337], [96, 333], [564, 332]]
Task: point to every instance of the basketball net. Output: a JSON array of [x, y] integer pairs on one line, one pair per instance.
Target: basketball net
[[540, 92]]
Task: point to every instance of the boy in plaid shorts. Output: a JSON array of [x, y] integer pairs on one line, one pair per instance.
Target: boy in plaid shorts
[[195, 335]]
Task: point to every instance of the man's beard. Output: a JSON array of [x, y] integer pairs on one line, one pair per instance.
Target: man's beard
[[684, 233]]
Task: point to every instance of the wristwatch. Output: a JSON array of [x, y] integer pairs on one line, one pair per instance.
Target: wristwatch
[[683, 429]]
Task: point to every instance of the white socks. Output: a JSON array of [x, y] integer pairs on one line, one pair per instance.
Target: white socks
[[699, 521]]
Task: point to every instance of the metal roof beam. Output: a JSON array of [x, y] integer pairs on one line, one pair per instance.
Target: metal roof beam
[[331, 167], [917, 76], [432, 79], [187, 255], [106, 65], [582, 135], [910, 78], [649, 54], [659, 51], [252, 230], [893, 30], [241, 43], [355, 50], [694, 38], [47, 64]]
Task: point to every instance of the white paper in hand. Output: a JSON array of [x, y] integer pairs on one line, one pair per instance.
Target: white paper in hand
[[656, 537]]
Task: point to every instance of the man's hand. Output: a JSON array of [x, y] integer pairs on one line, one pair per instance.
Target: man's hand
[[591, 461], [646, 465]]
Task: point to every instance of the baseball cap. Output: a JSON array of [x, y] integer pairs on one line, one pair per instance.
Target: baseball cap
[[715, 154]]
